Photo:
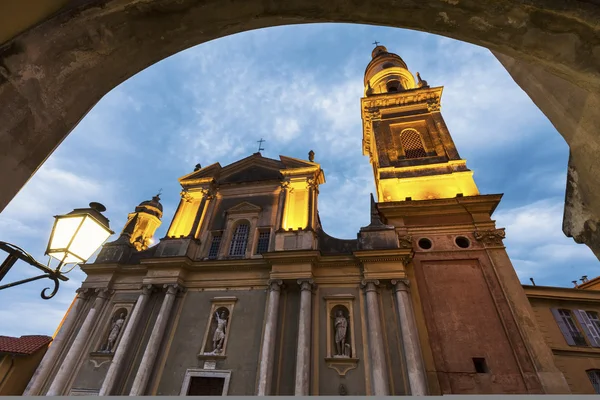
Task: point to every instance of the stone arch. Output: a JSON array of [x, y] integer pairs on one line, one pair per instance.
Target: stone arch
[[53, 73]]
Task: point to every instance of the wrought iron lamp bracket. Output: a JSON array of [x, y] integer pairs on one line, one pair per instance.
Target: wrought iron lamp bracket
[[15, 253]]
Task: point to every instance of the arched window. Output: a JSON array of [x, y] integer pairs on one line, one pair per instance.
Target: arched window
[[239, 241], [412, 144], [393, 86], [594, 375]]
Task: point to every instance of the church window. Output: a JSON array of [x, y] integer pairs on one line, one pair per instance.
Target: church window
[[412, 144], [594, 376], [570, 331], [239, 241], [480, 365], [393, 86], [213, 252], [263, 242], [462, 242], [425, 243]]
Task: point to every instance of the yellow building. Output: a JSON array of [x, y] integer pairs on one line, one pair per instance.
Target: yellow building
[[19, 358], [569, 319]]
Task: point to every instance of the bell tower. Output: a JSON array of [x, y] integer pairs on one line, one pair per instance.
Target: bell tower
[[408, 144], [143, 222]]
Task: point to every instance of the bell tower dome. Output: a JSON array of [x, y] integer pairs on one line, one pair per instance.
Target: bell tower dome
[[143, 222], [387, 73], [407, 141]]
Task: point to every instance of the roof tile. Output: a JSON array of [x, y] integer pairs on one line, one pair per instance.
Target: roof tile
[[24, 344]]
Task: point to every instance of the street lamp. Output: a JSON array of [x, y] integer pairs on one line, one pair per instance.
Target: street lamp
[[74, 238]]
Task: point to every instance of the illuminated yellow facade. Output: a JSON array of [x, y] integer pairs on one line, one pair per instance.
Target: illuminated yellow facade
[[143, 222], [213, 187], [409, 146]]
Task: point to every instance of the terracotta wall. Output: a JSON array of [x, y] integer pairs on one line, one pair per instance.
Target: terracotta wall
[[463, 324]]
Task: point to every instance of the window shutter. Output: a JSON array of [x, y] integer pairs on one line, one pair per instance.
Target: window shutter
[[563, 327], [588, 327]]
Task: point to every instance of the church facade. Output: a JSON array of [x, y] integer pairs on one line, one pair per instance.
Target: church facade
[[247, 295]]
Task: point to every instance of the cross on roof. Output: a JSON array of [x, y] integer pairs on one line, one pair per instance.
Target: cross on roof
[[376, 43], [260, 142]]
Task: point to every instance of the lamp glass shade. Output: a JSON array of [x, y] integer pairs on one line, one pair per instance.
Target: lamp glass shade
[[76, 237]]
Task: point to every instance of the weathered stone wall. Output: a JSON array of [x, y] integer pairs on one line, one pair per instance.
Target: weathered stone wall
[[243, 343], [328, 379]]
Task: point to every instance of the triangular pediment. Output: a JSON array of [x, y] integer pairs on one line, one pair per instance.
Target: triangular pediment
[[254, 168], [251, 169], [293, 163], [211, 171], [244, 207]]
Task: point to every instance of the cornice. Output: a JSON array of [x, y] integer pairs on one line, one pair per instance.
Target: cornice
[[455, 205], [577, 352], [197, 182], [91, 269], [404, 98], [403, 255], [234, 284], [302, 171], [562, 294], [434, 229], [448, 165], [292, 257], [336, 280]]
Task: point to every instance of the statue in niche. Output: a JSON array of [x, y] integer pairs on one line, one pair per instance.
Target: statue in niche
[[341, 332], [113, 334], [220, 332]]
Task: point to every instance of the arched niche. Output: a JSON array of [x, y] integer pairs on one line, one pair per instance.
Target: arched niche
[[217, 333], [341, 336], [113, 330]]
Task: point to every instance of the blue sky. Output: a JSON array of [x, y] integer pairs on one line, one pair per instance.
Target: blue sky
[[299, 88]]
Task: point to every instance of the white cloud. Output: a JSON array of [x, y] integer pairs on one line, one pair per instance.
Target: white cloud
[[537, 246], [286, 129], [53, 190]]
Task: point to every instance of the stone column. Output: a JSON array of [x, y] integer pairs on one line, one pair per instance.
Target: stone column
[[160, 325], [265, 371], [375, 335], [121, 351], [410, 339], [304, 335], [56, 346], [69, 363]]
